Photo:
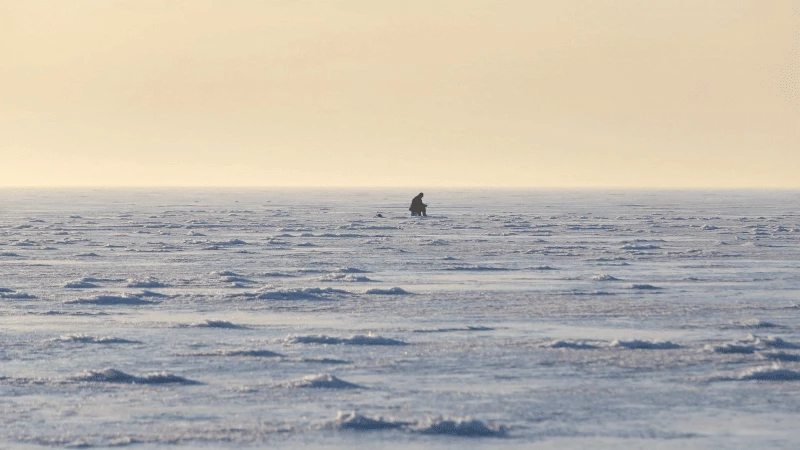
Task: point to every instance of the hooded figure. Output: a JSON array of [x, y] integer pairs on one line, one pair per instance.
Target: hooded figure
[[417, 207]]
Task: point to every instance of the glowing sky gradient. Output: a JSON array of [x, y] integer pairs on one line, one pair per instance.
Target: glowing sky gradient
[[506, 93]]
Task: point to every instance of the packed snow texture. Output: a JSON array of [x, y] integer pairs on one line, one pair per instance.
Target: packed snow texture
[[333, 319]]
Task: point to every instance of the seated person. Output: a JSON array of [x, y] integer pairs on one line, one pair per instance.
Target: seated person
[[417, 207]]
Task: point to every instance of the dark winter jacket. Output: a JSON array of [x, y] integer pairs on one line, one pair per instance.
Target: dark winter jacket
[[416, 204]]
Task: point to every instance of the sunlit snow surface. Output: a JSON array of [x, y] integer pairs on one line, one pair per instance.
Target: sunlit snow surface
[[301, 319]]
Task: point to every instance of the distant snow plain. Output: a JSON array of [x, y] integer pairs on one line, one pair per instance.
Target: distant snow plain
[[301, 318]]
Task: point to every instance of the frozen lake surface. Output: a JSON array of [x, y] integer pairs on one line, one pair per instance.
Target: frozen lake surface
[[300, 319]]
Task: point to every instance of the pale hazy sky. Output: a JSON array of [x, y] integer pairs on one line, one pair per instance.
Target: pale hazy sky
[[417, 93]]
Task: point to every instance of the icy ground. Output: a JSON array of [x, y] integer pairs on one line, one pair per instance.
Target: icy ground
[[300, 319]]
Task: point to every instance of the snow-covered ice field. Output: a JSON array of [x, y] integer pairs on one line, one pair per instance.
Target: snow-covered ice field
[[299, 319]]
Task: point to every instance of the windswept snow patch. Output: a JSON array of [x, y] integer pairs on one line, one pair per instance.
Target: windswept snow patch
[[351, 270], [275, 275], [752, 344], [755, 323], [640, 247], [775, 372], [573, 345], [592, 293], [24, 243], [346, 278], [228, 242], [603, 277], [87, 255], [230, 277], [300, 294], [478, 268], [241, 352], [321, 360], [773, 342], [447, 426], [322, 381], [12, 294], [391, 291], [780, 356], [350, 420], [457, 426], [731, 348], [343, 235], [543, 268], [448, 330], [110, 300], [211, 323], [434, 242], [86, 339], [145, 283], [644, 345], [645, 287], [109, 375], [83, 283], [146, 293], [358, 339], [224, 273]]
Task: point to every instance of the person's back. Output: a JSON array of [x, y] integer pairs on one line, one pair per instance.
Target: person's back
[[417, 207]]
